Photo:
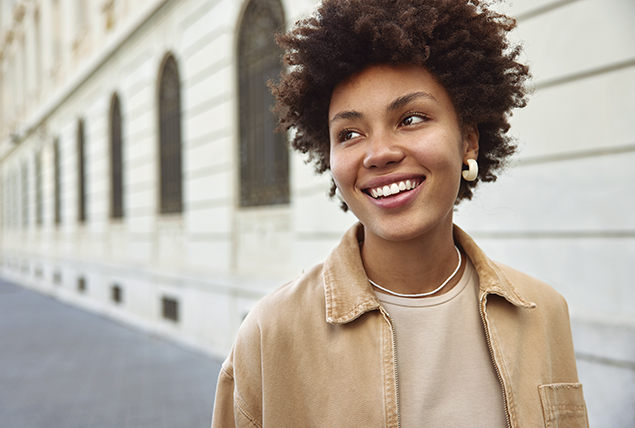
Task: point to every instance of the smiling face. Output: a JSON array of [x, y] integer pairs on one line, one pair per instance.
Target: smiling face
[[397, 151]]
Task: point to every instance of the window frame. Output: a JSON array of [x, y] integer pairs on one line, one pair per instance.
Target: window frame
[[170, 144], [116, 159], [263, 153], [24, 195], [57, 184], [39, 180], [81, 171]]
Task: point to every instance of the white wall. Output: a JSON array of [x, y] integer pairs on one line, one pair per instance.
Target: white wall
[[561, 212]]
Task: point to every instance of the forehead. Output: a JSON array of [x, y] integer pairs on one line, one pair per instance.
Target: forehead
[[379, 85]]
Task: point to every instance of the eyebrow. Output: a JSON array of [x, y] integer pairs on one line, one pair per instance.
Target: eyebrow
[[351, 114], [395, 105], [404, 100]]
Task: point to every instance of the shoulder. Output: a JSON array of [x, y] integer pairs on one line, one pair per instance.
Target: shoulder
[[498, 278], [303, 293], [279, 313], [534, 290], [271, 331]]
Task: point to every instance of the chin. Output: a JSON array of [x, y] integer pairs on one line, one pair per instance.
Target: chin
[[401, 233], [401, 237], [406, 228]]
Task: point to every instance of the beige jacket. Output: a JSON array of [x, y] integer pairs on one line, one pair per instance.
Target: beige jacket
[[319, 352]]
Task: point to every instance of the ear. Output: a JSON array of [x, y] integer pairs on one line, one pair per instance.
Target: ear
[[470, 143]]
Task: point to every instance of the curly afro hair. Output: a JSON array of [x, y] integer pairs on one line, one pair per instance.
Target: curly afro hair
[[461, 42]]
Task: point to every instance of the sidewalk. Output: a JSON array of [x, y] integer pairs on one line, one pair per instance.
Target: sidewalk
[[61, 367]]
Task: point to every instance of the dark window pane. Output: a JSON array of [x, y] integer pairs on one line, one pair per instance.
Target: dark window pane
[[170, 137], [116, 293], [264, 160], [25, 195], [81, 173], [170, 309], [39, 209], [116, 209], [57, 182], [81, 284]]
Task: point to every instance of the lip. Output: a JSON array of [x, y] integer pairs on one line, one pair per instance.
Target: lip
[[389, 179], [394, 201]]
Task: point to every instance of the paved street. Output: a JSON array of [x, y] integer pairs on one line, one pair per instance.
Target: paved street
[[61, 367]]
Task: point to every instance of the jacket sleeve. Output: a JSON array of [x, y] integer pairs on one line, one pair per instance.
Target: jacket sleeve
[[238, 402], [223, 416], [229, 410]]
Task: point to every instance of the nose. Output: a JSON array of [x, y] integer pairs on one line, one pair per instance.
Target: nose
[[382, 150]]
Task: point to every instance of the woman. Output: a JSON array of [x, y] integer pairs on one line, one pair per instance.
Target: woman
[[407, 323]]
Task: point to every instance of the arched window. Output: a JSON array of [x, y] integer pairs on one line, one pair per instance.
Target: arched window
[[15, 199], [170, 137], [24, 190], [264, 158], [57, 183], [39, 203], [81, 172], [116, 172], [4, 188]]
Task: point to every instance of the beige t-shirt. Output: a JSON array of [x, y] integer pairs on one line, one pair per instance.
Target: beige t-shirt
[[445, 372]]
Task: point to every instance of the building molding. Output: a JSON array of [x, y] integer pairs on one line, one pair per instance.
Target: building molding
[[544, 9], [575, 155], [89, 69], [585, 74]]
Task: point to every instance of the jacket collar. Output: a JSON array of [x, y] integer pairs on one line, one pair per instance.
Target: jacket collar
[[349, 294], [492, 280]]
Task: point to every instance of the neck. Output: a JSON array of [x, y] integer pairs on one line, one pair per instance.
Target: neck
[[414, 266]]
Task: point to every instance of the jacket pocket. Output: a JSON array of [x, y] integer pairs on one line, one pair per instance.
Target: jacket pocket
[[563, 405]]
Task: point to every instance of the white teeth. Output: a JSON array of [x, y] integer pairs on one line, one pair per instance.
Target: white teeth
[[393, 189]]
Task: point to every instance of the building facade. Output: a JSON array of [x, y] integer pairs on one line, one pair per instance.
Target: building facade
[[140, 177]]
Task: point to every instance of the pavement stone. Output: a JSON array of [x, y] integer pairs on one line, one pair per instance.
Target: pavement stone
[[62, 367]]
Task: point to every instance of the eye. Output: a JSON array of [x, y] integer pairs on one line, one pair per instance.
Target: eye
[[413, 119], [348, 134]]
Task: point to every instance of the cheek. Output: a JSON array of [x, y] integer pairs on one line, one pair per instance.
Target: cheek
[[441, 152], [340, 174], [436, 158], [340, 169]]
